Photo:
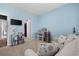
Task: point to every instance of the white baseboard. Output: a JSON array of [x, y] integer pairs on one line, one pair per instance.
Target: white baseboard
[[9, 45]]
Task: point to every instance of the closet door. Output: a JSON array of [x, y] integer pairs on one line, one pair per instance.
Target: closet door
[[4, 28], [0, 28]]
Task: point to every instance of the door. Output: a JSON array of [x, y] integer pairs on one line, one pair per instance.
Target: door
[[25, 29]]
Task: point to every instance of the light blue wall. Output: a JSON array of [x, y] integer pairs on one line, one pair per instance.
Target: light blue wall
[[61, 20], [58, 21], [77, 5], [17, 14]]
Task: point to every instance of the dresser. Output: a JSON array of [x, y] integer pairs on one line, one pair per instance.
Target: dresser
[[43, 35]]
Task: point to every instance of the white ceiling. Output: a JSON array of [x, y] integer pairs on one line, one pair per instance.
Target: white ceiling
[[37, 8]]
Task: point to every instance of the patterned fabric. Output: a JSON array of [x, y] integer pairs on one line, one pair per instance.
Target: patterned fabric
[[70, 38], [61, 39], [47, 49]]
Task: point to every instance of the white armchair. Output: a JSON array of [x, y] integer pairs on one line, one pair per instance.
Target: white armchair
[[71, 48]]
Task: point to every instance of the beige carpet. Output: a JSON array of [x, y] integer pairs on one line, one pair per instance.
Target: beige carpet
[[19, 49]]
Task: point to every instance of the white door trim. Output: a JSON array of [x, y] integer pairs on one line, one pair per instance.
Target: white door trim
[[28, 21]]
